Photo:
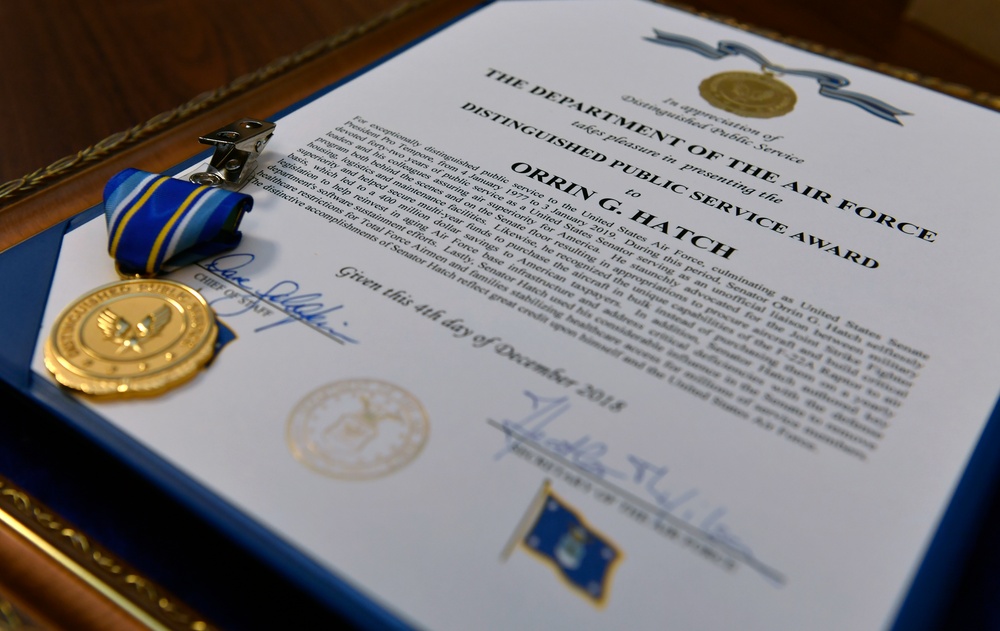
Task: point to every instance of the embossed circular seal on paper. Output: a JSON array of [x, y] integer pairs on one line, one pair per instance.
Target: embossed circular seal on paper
[[357, 429], [131, 337], [750, 94]]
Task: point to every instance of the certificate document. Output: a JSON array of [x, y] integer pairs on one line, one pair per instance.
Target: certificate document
[[597, 315]]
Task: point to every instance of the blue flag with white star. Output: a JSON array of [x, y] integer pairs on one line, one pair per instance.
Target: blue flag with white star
[[581, 555]]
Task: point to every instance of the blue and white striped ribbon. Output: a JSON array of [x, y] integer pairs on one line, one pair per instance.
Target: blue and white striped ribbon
[[156, 222]]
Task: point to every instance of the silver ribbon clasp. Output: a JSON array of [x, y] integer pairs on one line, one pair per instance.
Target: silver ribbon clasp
[[237, 146]]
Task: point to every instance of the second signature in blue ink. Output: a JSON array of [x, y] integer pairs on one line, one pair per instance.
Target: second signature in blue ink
[[583, 452], [537, 427], [286, 295]]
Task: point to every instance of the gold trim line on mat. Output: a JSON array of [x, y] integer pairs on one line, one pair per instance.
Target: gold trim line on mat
[[137, 596]]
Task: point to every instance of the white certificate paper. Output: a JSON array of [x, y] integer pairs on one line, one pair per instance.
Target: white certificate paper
[[530, 333]]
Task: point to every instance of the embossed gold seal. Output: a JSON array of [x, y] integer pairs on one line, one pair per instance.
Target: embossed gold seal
[[132, 337], [750, 94], [357, 429]]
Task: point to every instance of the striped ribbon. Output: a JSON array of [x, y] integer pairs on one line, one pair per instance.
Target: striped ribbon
[[157, 223]]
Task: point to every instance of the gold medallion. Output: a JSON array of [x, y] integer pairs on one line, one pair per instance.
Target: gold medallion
[[749, 94], [132, 337]]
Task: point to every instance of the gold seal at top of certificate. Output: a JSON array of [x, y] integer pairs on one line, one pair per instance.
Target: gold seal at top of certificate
[[750, 94]]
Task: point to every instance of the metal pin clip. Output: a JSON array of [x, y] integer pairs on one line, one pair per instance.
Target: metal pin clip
[[237, 146]]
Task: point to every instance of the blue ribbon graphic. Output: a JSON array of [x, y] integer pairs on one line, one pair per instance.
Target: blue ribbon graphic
[[830, 84], [156, 222]]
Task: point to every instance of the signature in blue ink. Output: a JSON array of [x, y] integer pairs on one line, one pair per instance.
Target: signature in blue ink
[[583, 452], [590, 454], [285, 295]]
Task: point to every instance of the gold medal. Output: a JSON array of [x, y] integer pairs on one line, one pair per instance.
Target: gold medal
[[143, 336], [748, 94], [132, 337]]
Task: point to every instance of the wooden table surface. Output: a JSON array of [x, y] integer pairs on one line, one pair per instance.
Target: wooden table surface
[[76, 73]]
